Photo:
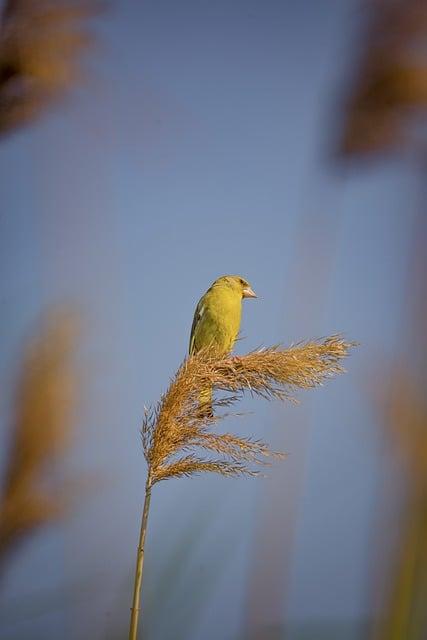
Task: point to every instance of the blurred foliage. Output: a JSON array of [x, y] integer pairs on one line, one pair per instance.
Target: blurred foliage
[[404, 612], [33, 493], [41, 42], [385, 111], [389, 90]]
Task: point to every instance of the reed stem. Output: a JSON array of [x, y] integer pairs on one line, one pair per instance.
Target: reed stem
[[136, 606]]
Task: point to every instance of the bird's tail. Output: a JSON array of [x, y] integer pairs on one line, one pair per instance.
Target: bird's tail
[[205, 402]]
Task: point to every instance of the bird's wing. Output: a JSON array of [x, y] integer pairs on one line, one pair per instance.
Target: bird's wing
[[197, 317]]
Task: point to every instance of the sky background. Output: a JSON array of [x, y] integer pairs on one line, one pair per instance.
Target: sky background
[[200, 144]]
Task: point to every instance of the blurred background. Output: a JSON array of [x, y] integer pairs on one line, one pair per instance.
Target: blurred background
[[147, 148]]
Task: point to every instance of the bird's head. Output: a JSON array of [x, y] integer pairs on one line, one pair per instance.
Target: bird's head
[[238, 284]]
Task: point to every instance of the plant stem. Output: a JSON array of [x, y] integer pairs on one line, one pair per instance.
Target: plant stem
[[134, 618]]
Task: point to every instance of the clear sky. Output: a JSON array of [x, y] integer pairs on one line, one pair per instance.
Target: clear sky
[[198, 147]]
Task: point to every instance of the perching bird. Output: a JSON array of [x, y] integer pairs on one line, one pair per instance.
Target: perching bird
[[216, 321]]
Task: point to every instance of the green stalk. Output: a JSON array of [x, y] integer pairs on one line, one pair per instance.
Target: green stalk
[[136, 606]]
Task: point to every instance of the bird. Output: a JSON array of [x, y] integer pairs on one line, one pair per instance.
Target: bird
[[216, 322]]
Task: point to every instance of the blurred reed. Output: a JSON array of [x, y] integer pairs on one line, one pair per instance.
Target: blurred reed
[[177, 428], [39, 436], [388, 91], [41, 42], [385, 111], [404, 612]]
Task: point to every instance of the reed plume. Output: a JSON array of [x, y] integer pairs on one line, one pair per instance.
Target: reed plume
[[389, 88], [41, 42], [404, 412], [40, 435], [177, 429]]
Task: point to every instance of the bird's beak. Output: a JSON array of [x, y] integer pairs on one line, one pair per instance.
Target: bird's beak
[[248, 292]]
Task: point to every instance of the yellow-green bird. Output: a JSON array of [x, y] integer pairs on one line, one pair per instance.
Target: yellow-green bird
[[216, 321]]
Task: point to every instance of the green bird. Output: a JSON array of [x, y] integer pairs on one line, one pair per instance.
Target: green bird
[[216, 321]]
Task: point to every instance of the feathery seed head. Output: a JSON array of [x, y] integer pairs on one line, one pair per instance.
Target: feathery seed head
[[177, 425]]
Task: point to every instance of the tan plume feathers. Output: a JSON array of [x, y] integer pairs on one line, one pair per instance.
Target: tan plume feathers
[[177, 426], [40, 434]]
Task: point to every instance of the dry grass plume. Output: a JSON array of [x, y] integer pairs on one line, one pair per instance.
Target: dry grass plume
[[39, 436], [177, 426], [404, 584], [177, 429], [41, 42], [389, 89]]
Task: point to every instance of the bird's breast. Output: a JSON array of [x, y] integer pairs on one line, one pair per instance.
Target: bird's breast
[[221, 322]]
